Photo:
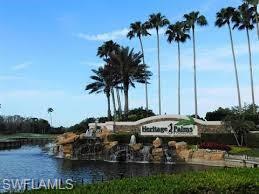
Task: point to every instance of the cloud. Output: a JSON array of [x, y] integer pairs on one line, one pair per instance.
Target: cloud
[[21, 66], [9, 77], [114, 35]]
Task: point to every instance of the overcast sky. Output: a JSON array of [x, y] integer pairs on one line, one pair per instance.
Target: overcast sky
[[47, 49]]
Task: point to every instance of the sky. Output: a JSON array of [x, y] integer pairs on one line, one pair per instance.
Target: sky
[[48, 48]]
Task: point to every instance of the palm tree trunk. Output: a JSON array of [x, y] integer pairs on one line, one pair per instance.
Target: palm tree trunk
[[251, 70], [194, 68], [158, 62], [146, 91], [109, 106], [235, 66], [179, 79], [126, 96], [50, 119], [113, 102], [119, 101], [257, 22]]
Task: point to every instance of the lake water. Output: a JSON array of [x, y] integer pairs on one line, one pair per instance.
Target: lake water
[[34, 162]]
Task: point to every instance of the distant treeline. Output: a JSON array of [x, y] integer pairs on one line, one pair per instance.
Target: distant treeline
[[18, 124]]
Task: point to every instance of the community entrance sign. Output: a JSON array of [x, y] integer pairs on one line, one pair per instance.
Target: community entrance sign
[[184, 127]]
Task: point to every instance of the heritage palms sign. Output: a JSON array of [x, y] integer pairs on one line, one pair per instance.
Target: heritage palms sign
[[185, 127]]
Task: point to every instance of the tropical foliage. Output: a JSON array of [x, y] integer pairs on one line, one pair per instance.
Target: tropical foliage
[[243, 18]]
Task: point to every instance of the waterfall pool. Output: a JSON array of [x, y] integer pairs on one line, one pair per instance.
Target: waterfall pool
[[34, 162]]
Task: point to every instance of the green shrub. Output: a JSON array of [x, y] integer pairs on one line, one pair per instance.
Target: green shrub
[[234, 180], [253, 152]]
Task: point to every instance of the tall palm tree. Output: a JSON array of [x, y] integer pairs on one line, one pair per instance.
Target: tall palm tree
[[157, 21], [103, 52], [243, 19], [50, 110], [128, 66], [193, 19], [224, 17], [101, 83], [139, 30], [177, 33], [255, 4]]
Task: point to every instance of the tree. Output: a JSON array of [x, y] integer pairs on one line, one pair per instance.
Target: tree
[[101, 83], [243, 19], [224, 17], [130, 70], [139, 30], [239, 126], [157, 21], [50, 110], [192, 19], [254, 4], [104, 51], [177, 33], [219, 114]]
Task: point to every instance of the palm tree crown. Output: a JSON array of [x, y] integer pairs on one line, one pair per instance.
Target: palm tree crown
[[177, 32], [157, 21], [244, 17], [128, 66], [224, 16], [50, 110], [107, 47], [137, 29], [195, 18]]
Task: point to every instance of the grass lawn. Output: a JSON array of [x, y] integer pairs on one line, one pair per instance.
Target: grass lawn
[[234, 180], [26, 135], [253, 152]]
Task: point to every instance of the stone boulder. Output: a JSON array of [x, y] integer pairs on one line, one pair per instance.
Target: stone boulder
[[103, 134], [185, 154], [172, 144], [180, 146], [110, 145], [199, 154], [219, 155], [202, 154], [157, 142], [66, 138], [157, 154], [137, 146]]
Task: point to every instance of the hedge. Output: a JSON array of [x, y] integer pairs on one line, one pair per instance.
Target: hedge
[[221, 138], [242, 180]]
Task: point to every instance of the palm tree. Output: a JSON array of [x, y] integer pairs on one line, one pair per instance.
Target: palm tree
[[255, 4], [102, 83], [243, 19], [157, 21], [50, 110], [177, 33], [193, 19], [103, 52], [224, 17], [128, 65], [139, 30]]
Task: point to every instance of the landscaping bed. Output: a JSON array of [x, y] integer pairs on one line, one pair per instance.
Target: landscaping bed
[[235, 180]]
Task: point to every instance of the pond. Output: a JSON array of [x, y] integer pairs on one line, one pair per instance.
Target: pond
[[34, 162]]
